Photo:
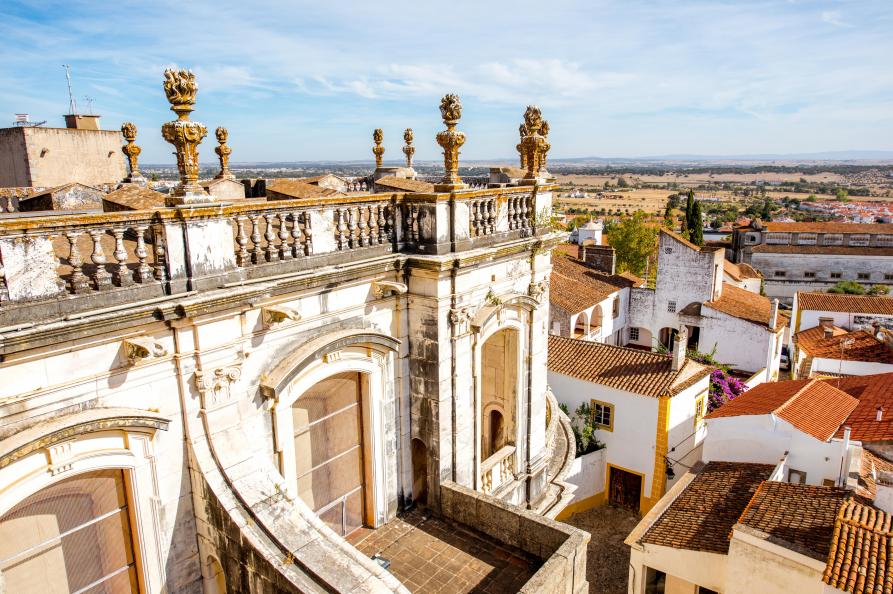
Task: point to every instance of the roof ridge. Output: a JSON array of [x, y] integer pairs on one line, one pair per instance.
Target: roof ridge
[[663, 356], [795, 395]]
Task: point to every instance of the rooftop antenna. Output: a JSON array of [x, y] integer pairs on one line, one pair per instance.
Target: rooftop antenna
[[72, 104], [89, 101]]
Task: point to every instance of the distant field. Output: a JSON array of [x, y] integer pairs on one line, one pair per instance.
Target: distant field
[[697, 179]]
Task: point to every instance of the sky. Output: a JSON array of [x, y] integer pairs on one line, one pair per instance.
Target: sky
[[297, 81]]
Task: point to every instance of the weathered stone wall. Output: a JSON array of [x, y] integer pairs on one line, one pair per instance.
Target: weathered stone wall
[[795, 267]]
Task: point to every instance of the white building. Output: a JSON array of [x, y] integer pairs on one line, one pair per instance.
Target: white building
[[591, 231], [648, 408], [850, 312], [828, 350], [743, 276]]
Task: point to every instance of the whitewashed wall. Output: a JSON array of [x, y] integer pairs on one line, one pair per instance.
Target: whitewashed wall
[[587, 474]]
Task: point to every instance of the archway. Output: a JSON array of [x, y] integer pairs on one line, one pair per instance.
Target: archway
[[419, 471], [71, 536], [597, 319], [330, 445], [215, 583], [581, 327], [499, 390], [666, 337]]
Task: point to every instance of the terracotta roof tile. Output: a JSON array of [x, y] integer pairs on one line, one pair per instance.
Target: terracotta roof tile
[[869, 466], [872, 391], [872, 228], [802, 516], [292, 188], [575, 287], [867, 304], [834, 250], [403, 184], [861, 550], [687, 243], [812, 406], [741, 271], [741, 303], [134, 197], [568, 249], [864, 346], [632, 370], [702, 516]]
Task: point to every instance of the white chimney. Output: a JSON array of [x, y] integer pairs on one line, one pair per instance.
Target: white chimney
[[773, 314], [679, 345], [879, 414], [884, 497]]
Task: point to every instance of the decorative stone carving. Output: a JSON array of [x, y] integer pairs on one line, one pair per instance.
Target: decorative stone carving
[[408, 150], [141, 348], [460, 318], [61, 457], [537, 290], [276, 314], [522, 131], [383, 288], [333, 357], [533, 143], [378, 149], [223, 152], [546, 146], [215, 387], [185, 135], [132, 152], [450, 141]]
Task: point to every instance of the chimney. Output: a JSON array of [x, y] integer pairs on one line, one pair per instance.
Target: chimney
[[879, 414], [828, 332], [599, 257], [884, 497], [679, 345], [826, 322], [773, 314]]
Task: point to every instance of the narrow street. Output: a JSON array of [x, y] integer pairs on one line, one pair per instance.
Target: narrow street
[[607, 563]]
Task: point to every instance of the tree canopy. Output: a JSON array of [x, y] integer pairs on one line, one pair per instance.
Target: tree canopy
[[633, 241]]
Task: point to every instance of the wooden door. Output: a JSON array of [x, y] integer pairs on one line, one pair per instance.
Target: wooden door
[[625, 489]]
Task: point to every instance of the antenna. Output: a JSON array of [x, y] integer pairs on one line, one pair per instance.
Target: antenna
[[72, 104], [89, 101]]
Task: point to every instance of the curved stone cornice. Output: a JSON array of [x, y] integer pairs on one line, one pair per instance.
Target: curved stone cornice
[[275, 380], [483, 315], [51, 432]]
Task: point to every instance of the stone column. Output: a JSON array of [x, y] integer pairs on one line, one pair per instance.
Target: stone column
[[532, 144]]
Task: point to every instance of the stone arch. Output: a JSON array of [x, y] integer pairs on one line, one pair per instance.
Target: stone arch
[[215, 579], [420, 463], [580, 327]]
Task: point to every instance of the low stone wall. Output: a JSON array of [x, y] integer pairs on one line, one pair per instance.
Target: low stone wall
[[561, 547], [587, 474]]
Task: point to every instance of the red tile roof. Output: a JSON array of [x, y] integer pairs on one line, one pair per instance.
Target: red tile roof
[[631, 370], [870, 466], [870, 228], [802, 516], [861, 550], [574, 287], [872, 391], [702, 516], [847, 346], [812, 406], [833, 250], [403, 184], [867, 304], [742, 304], [741, 271]]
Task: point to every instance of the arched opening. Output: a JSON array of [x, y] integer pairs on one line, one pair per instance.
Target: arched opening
[[216, 582], [499, 389], [598, 318], [72, 536], [666, 337], [331, 458], [419, 471], [581, 327]]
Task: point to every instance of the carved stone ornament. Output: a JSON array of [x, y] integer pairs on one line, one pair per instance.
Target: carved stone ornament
[[132, 152], [223, 152], [215, 387], [141, 348], [522, 131], [61, 457], [537, 290], [333, 357], [544, 130], [408, 150], [532, 145], [383, 288], [185, 135], [378, 149], [277, 314], [450, 140], [460, 319]]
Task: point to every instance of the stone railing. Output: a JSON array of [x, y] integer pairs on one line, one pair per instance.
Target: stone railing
[[498, 469], [80, 261]]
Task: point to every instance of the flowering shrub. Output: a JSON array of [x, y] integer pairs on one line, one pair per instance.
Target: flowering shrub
[[723, 387]]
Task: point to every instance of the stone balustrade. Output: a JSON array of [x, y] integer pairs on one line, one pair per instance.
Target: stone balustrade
[[80, 261], [498, 469]]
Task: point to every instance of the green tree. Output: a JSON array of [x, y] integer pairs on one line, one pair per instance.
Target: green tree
[[696, 226], [766, 212], [633, 241], [841, 194], [879, 290], [848, 287]]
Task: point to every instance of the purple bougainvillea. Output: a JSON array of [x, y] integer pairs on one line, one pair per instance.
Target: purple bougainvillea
[[723, 387]]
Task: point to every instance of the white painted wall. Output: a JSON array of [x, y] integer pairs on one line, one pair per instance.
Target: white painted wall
[[587, 474], [850, 367], [683, 438], [756, 565], [707, 570]]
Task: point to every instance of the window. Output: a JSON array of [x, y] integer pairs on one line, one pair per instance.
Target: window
[[603, 415], [809, 274], [888, 277], [836, 275], [779, 273], [859, 239], [832, 239], [615, 307], [703, 590], [863, 276], [700, 409], [749, 238], [778, 238], [828, 483], [668, 250], [885, 240], [796, 476], [634, 334], [671, 306], [655, 581], [806, 238]]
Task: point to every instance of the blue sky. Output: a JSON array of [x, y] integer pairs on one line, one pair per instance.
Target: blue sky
[[295, 80]]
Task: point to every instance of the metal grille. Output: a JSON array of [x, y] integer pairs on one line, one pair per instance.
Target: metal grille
[[73, 537]]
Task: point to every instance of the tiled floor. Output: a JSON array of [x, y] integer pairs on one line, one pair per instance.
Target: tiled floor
[[429, 555]]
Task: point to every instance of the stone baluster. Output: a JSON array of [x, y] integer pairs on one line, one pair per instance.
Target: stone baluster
[[491, 216], [101, 277], [284, 235], [160, 253], [391, 222], [4, 289], [308, 234], [528, 212], [475, 217], [243, 258], [363, 226], [143, 270], [270, 236], [414, 225], [296, 247], [257, 254], [122, 273], [352, 236], [510, 210], [382, 223], [341, 230], [79, 282]]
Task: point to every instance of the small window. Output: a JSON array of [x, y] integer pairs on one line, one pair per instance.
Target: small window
[[700, 409], [888, 277], [671, 306], [668, 250], [807, 238], [809, 274], [828, 483], [634, 334], [886, 240], [603, 415], [780, 273], [859, 239], [836, 275], [750, 238], [796, 476], [832, 239], [615, 307], [863, 276]]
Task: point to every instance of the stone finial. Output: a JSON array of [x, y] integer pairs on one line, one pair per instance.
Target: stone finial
[[223, 152], [450, 140], [533, 143], [132, 152], [378, 149], [522, 131], [185, 135], [408, 150], [544, 130]]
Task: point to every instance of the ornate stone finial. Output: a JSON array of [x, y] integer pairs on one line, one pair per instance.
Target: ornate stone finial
[[533, 143], [408, 150], [378, 149], [450, 140], [185, 135], [132, 152], [522, 131], [223, 152], [544, 130]]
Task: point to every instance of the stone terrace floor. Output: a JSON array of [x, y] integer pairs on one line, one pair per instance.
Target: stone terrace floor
[[430, 555]]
